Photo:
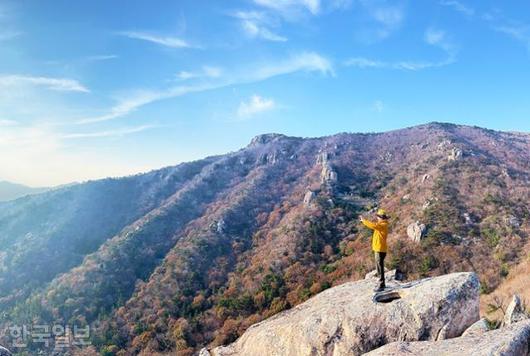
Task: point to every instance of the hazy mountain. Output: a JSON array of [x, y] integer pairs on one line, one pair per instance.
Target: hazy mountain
[[10, 191], [194, 254]]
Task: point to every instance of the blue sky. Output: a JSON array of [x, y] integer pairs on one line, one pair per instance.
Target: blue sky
[[98, 88]]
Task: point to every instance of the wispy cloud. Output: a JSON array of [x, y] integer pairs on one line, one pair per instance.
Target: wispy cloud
[[458, 6], [255, 105], [433, 37], [125, 106], [59, 84], [101, 57], [495, 19], [439, 38], [257, 25], [515, 29], [167, 41], [388, 16], [108, 133], [303, 62], [205, 72], [287, 7]]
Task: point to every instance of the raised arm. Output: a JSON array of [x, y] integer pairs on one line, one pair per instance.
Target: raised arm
[[369, 224]]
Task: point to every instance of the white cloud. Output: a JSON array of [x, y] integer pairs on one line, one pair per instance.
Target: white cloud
[[518, 31], [303, 62], [361, 62], [433, 37], [364, 63], [126, 106], [439, 38], [212, 72], [108, 133], [389, 16], [205, 72], [102, 57], [255, 105], [256, 25], [185, 75], [167, 41], [458, 6], [59, 84], [286, 7]]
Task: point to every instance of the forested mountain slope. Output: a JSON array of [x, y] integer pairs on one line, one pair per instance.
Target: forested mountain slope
[[192, 255]]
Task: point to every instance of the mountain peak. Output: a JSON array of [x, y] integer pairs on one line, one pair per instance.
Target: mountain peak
[[266, 138]]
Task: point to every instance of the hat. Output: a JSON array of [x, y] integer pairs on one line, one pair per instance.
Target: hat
[[382, 214]]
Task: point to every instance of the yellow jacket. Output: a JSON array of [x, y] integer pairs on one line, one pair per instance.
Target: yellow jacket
[[380, 233]]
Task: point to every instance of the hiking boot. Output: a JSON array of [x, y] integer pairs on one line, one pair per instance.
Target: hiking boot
[[380, 288]]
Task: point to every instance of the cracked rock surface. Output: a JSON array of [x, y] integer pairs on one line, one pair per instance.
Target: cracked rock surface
[[347, 319], [512, 340]]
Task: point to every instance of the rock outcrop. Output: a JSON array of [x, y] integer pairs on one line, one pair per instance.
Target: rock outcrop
[[455, 155], [513, 340], [266, 138], [309, 197], [350, 320], [4, 351], [328, 175], [513, 221], [415, 231], [515, 312], [478, 328]]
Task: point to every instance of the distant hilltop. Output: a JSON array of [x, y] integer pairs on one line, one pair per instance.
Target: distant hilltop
[[11, 191]]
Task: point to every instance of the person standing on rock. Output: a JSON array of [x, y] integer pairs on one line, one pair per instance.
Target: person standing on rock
[[379, 246]]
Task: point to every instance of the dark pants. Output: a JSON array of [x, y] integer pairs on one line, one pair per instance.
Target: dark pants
[[380, 265]]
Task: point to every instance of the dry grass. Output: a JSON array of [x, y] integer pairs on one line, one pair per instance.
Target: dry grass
[[517, 282]]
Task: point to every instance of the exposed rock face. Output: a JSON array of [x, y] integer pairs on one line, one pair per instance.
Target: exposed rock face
[[4, 351], [515, 312], [455, 155], [347, 320], [308, 198], [478, 328], [415, 231], [322, 158], [266, 138], [221, 226], [513, 221], [328, 175], [513, 340]]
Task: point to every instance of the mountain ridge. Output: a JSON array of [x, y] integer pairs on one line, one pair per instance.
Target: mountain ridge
[[191, 255]]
